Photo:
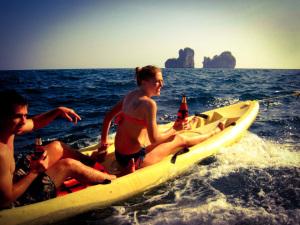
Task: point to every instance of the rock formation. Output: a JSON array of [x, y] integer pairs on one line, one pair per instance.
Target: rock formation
[[185, 59], [225, 60]]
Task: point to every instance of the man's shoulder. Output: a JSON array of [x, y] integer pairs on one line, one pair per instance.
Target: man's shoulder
[[3, 149], [3, 146]]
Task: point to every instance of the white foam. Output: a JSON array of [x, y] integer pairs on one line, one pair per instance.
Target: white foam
[[219, 211], [219, 102], [252, 152]]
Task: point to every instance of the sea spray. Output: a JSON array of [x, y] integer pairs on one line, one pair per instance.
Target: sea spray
[[252, 152]]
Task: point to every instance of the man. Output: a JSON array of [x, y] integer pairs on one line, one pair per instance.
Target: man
[[49, 171]]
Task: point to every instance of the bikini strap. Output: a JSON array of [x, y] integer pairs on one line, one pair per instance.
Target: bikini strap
[[121, 116]]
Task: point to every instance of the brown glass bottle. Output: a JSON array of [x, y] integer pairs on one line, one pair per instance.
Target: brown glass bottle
[[39, 149], [183, 111]]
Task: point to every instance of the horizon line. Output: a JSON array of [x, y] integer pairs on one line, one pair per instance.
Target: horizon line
[[95, 68]]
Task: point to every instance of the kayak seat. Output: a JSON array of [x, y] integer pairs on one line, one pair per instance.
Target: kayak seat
[[210, 117], [215, 117]]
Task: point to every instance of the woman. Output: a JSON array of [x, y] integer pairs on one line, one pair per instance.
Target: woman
[[137, 135]]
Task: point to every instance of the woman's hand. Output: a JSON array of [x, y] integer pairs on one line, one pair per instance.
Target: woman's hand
[[69, 114], [181, 125], [100, 155]]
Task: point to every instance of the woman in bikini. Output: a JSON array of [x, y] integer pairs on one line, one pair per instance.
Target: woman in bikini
[[138, 138]]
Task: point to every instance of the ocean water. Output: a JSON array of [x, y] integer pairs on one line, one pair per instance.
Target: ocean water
[[255, 181]]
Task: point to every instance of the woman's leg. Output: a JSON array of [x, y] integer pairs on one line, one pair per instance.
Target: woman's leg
[[156, 153], [196, 140]]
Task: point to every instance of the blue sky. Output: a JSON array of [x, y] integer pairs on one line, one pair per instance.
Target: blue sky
[[37, 34]]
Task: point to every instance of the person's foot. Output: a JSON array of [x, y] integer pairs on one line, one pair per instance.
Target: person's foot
[[194, 122], [107, 178], [110, 177], [219, 128]]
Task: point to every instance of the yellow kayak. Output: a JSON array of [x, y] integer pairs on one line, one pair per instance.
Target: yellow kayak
[[237, 118]]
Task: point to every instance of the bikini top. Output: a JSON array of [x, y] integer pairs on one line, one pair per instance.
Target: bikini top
[[123, 116]]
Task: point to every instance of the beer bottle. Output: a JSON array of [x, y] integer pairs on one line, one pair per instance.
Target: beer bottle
[[39, 149], [183, 109]]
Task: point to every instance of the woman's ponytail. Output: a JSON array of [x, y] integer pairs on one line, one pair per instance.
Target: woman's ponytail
[[137, 75]]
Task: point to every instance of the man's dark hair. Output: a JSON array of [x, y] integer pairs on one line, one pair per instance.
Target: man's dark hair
[[8, 100]]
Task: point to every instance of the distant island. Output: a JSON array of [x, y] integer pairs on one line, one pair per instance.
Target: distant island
[[185, 59], [225, 60]]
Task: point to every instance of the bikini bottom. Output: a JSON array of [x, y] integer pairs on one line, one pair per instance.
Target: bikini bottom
[[124, 160]]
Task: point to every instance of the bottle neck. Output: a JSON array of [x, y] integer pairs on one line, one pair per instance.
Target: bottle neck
[[38, 141]]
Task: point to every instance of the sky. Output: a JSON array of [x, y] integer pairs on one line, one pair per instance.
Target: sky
[[58, 34]]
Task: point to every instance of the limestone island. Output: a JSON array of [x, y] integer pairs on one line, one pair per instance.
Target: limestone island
[[225, 60], [185, 59]]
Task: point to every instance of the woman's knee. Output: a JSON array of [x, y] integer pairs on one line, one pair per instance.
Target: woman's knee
[[180, 140]]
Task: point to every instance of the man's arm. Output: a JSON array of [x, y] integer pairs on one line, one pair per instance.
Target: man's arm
[[8, 191], [42, 120], [5, 178]]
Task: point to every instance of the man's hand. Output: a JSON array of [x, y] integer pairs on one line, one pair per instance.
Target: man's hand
[[69, 114], [39, 165], [43, 119]]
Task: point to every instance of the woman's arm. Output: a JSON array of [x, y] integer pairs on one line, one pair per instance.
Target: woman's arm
[[153, 133], [107, 122], [103, 142]]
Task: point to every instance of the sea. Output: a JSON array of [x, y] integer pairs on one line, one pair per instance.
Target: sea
[[255, 181]]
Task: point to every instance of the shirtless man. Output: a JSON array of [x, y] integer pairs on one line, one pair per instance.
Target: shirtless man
[[49, 171]]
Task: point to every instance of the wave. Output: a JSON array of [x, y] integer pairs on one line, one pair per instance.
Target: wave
[[254, 181], [220, 212], [252, 152]]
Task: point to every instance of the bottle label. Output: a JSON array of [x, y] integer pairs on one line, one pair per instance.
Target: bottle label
[[39, 149], [183, 110]]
